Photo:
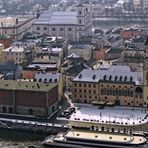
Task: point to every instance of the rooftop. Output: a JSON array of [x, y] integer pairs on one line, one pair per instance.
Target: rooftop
[[57, 17], [13, 21], [113, 72], [14, 49], [25, 85], [49, 77]]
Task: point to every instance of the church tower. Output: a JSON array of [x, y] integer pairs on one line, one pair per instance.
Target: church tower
[[145, 75]]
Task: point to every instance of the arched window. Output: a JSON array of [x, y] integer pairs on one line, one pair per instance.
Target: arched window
[[40, 80], [45, 80], [110, 77], [50, 80], [4, 109], [125, 78], [120, 78], [10, 110], [104, 78], [30, 111], [131, 79], [55, 80], [116, 78]]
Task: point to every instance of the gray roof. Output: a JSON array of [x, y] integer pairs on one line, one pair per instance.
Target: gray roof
[[25, 85], [57, 17], [48, 77], [89, 75]]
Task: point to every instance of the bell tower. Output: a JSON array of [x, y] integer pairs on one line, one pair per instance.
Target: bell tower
[[145, 75]]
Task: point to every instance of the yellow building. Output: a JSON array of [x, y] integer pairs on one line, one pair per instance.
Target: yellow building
[[145, 75], [115, 84], [1, 48]]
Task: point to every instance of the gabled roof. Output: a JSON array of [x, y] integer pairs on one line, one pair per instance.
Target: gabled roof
[[57, 17], [89, 75], [74, 70]]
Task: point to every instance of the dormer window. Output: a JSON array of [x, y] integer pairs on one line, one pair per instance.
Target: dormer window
[[120, 78], [104, 78], [80, 76], [80, 12], [110, 77], [116, 78], [55, 80], [131, 79], [125, 78], [94, 76]]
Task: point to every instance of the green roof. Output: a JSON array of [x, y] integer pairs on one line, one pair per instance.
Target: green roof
[[26, 85], [4, 37]]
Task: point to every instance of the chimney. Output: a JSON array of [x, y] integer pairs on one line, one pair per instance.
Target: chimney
[[16, 21]]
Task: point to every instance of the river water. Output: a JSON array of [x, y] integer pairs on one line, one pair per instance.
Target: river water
[[25, 140]]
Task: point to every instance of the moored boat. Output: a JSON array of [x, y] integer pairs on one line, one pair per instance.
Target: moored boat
[[87, 139]]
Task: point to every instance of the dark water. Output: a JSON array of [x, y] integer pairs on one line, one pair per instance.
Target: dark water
[[18, 139]]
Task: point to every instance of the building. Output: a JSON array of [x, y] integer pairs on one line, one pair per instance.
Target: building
[[40, 99], [10, 71], [113, 53], [5, 40], [1, 48], [13, 54], [115, 84], [16, 26], [72, 25], [145, 75], [97, 10], [50, 77], [82, 50]]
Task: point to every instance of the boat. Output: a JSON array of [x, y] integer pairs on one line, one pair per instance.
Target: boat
[[94, 139]]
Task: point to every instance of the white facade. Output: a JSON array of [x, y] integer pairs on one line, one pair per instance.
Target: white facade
[[70, 25], [97, 10], [16, 26], [14, 54]]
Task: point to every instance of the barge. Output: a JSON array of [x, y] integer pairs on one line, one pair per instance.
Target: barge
[[94, 139]]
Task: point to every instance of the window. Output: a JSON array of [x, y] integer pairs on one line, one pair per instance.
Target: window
[[84, 90], [84, 85], [80, 12], [38, 28], [80, 85], [116, 78], [75, 90], [94, 85], [45, 28], [110, 77], [104, 78], [120, 78], [94, 91], [75, 84], [53, 29], [89, 91], [89, 85], [61, 29], [69, 29], [80, 21], [131, 79], [79, 90]]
